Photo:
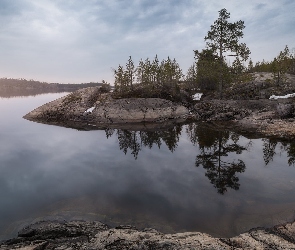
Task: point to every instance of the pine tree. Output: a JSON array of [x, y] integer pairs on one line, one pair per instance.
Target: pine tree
[[250, 66], [130, 73], [224, 37], [281, 64], [191, 77], [119, 79], [208, 69]]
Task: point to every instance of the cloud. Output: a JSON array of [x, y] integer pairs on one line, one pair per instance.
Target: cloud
[[79, 41]]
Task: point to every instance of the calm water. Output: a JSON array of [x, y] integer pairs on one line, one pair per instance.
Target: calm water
[[186, 178]]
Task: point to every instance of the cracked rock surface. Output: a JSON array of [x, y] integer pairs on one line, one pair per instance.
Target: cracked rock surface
[[96, 235]]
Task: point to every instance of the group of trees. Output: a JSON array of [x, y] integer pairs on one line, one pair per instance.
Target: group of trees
[[151, 77], [212, 70], [209, 71], [222, 38], [283, 63]]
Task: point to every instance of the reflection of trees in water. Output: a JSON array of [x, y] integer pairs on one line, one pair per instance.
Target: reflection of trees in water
[[291, 153], [219, 150], [215, 147], [269, 150], [271, 146], [136, 140]]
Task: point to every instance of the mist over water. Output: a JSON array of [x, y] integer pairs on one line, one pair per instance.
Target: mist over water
[[184, 178]]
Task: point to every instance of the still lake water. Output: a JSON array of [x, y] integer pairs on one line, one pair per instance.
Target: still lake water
[[186, 178]]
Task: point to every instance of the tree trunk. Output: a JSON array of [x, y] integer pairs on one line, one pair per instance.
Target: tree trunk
[[221, 73]]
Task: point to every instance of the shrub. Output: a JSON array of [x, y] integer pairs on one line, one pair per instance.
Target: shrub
[[73, 97]]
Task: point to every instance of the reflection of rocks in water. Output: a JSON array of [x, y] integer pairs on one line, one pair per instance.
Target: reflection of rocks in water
[[136, 140], [214, 147]]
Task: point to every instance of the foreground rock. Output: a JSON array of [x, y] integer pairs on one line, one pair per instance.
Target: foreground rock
[[96, 235], [92, 107]]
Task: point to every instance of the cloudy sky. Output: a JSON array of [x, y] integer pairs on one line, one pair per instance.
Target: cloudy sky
[[73, 41]]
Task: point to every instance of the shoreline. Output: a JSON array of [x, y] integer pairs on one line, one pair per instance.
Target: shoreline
[[97, 235], [89, 109]]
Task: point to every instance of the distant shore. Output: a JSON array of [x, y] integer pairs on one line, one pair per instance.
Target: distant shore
[[21, 87]]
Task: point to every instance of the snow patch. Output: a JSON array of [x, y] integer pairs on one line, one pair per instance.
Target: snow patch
[[197, 96], [275, 97], [89, 110]]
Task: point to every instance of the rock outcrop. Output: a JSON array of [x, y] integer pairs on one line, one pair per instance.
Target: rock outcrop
[[90, 106], [96, 235]]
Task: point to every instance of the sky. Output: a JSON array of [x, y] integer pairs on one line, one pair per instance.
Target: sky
[[78, 41]]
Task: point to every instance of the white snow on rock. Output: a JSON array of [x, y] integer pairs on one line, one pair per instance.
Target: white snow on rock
[[282, 96], [89, 110], [197, 96]]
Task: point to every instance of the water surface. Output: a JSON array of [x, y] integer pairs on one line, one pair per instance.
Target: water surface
[[184, 178]]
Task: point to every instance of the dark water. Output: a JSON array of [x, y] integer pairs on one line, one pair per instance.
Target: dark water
[[186, 178]]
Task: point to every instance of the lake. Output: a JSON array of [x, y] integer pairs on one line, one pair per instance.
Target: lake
[[184, 178]]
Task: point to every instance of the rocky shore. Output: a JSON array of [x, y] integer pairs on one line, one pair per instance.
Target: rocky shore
[[96, 235]]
